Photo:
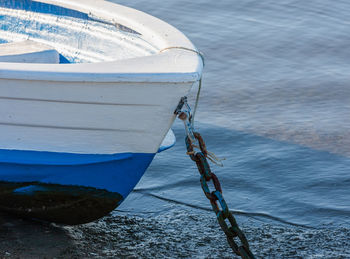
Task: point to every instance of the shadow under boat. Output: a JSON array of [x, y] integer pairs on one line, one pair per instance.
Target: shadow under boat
[[57, 203]]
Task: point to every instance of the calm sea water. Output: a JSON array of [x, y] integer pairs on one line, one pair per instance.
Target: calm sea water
[[276, 104]]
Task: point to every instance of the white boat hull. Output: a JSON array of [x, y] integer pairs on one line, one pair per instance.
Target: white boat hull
[[76, 138], [85, 117]]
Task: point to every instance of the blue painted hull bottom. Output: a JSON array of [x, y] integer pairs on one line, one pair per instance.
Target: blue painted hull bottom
[[67, 188]]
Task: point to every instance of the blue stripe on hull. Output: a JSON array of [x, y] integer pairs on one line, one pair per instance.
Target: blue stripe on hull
[[115, 173]]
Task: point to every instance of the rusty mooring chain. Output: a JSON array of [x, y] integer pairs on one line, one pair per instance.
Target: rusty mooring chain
[[215, 197]]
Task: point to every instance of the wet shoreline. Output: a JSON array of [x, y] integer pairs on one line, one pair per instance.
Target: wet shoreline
[[181, 233]]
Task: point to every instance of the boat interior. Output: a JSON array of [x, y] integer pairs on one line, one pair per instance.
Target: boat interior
[[37, 32]]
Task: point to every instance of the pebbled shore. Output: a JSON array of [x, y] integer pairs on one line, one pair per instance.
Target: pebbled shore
[[181, 233]]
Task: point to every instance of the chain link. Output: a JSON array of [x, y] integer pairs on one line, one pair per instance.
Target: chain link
[[225, 218], [217, 200]]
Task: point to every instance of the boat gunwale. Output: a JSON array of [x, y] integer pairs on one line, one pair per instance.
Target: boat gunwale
[[177, 60]]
